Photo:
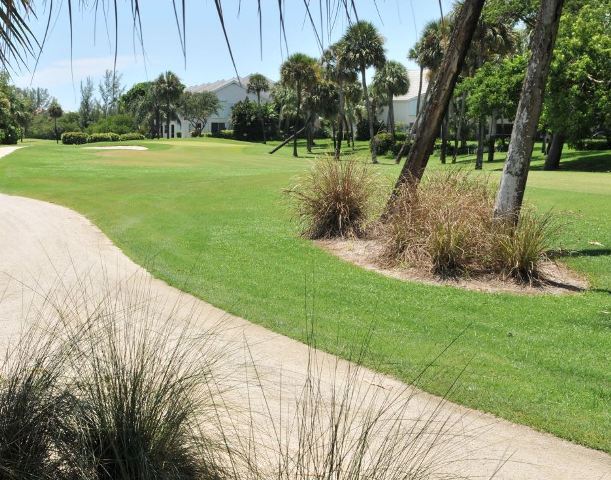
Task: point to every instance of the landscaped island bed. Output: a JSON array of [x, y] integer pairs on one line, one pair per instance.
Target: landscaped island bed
[[212, 221]]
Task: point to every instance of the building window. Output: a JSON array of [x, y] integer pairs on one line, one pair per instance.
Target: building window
[[216, 127]]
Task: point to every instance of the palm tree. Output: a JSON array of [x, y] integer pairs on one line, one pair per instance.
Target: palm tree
[[392, 80], [258, 83], [298, 72], [364, 49], [337, 70], [169, 89], [414, 54], [55, 111]]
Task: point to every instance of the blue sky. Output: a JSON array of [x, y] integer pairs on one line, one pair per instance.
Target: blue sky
[[208, 60]]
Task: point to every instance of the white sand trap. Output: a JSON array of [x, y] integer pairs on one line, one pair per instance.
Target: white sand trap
[[40, 241], [4, 151], [117, 147]]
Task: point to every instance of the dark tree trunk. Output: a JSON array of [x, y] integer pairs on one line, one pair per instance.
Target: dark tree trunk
[[334, 135], [158, 121], [436, 104], [295, 133], [341, 118], [261, 120], [419, 91], [55, 129], [491, 138], [479, 159], [552, 162], [167, 121], [461, 121], [374, 152], [543, 142], [515, 173], [309, 140], [444, 137]]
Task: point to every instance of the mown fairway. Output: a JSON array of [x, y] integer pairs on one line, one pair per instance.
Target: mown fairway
[[209, 217]]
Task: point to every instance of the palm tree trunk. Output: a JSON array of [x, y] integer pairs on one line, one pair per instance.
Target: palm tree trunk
[[374, 158], [55, 129], [167, 121], [341, 118], [552, 162], [479, 159], [431, 116], [461, 121], [419, 90], [515, 173], [391, 115], [261, 117], [297, 121]]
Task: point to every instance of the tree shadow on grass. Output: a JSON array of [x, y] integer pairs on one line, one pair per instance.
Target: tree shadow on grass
[[583, 162]]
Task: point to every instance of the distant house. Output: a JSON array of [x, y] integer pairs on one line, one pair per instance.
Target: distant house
[[405, 105], [229, 93]]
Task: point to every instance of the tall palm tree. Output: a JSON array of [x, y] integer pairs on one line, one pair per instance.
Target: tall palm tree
[[392, 80], [258, 83], [55, 111], [364, 49], [414, 54], [298, 72], [169, 88], [338, 71]]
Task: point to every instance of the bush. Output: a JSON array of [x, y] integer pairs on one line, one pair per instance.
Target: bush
[[384, 142], [74, 138], [103, 137], [119, 123], [131, 136], [334, 199], [396, 148], [446, 226], [246, 120], [362, 128], [593, 144], [225, 134], [400, 136]]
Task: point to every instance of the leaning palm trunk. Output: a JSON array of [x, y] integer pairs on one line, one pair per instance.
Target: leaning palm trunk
[[431, 116], [374, 152], [515, 173], [419, 90]]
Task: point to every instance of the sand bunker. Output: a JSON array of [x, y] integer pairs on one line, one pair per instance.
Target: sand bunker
[[118, 147]]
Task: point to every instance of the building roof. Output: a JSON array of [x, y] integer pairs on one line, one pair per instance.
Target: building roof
[[414, 79], [219, 84]]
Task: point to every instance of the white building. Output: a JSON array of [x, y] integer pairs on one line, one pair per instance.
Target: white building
[[229, 92], [405, 105]]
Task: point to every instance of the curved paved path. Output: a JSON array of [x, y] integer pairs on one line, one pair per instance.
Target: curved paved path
[[43, 245]]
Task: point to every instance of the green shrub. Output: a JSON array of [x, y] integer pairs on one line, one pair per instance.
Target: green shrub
[[335, 198], [226, 134], [593, 144], [396, 147], [400, 136], [74, 138], [103, 137], [119, 123], [131, 136], [383, 142], [362, 128]]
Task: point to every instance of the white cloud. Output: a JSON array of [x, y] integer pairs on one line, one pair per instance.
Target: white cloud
[[60, 73]]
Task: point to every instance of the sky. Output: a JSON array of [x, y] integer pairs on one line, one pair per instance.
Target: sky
[[61, 69]]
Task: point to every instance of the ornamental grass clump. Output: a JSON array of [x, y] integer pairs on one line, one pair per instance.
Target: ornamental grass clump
[[442, 225], [334, 199], [445, 225]]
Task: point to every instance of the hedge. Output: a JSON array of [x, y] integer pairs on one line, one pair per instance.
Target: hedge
[[74, 138], [103, 137], [593, 144], [131, 136]]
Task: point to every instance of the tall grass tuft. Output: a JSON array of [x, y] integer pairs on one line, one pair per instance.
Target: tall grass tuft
[[520, 249], [30, 405], [442, 225], [334, 199], [445, 225]]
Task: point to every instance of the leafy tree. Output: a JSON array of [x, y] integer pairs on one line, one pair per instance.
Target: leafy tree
[[119, 123], [110, 91], [298, 72], [196, 108], [55, 111], [578, 99], [246, 117], [391, 80], [364, 49], [87, 105], [169, 89], [256, 84], [38, 98]]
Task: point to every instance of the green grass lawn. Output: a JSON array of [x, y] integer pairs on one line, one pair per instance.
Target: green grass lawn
[[208, 216]]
